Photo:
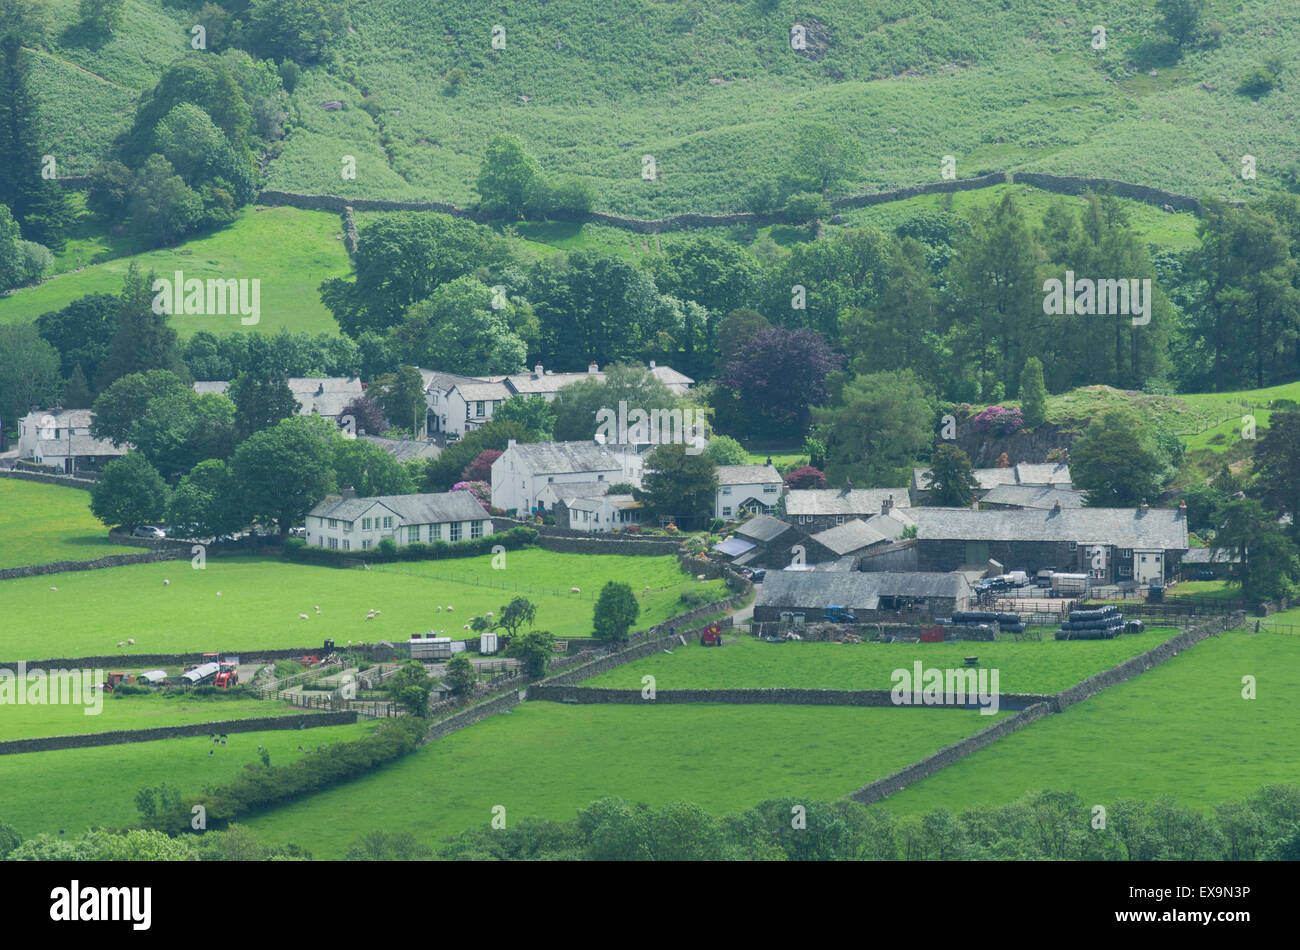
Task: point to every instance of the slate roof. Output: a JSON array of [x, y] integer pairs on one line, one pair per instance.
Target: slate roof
[[595, 503], [404, 450], [855, 589], [212, 386], [1157, 528], [1209, 555], [1035, 496], [671, 378], [63, 418], [1047, 473], [747, 474], [763, 528], [81, 445], [893, 524], [530, 383], [434, 508], [566, 457], [834, 501], [326, 395], [475, 391], [567, 490], [849, 537]]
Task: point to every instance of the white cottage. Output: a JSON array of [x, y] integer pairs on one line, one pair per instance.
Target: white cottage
[[347, 523]]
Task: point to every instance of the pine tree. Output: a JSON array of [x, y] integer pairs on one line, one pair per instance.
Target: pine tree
[[1033, 394], [38, 203], [76, 391], [143, 340]]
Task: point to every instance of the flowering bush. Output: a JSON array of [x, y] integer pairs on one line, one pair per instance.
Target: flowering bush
[[998, 421], [481, 491]]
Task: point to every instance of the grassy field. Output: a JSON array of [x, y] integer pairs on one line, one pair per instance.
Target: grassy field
[[43, 523], [1045, 666], [549, 759], [261, 599], [75, 789], [288, 250], [1181, 729], [1205, 590], [126, 712]]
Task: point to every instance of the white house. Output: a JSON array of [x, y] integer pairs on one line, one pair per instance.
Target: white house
[[436, 387], [746, 488], [347, 523], [61, 438], [678, 383], [524, 470], [547, 383], [471, 404]]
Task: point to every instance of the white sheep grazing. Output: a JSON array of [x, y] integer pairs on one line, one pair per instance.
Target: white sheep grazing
[[218, 593], [699, 577], [302, 616], [449, 609], [53, 588], [166, 582], [466, 626], [130, 641], [378, 612], [370, 616], [489, 615], [575, 590], [120, 644], [439, 609]]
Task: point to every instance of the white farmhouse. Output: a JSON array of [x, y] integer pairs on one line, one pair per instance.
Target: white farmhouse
[[746, 488], [524, 470], [347, 523], [61, 438], [471, 404], [316, 395]]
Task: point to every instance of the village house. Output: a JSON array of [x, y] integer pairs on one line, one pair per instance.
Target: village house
[[802, 597], [1112, 545], [471, 404], [323, 396], [61, 439], [1032, 496], [746, 489], [524, 470], [405, 450], [345, 522], [819, 508], [593, 513]]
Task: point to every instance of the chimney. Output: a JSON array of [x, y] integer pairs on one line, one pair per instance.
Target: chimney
[[848, 486], [349, 492], [1182, 509], [652, 364], [592, 367], [510, 444], [320, 389], [1056, 507], [537, 371], [887, 505], [1144, 507]]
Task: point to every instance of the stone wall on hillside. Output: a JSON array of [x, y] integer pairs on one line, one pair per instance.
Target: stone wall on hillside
[[472, 714], [752, 696], [128, 661], [220, 727], [65, 480]]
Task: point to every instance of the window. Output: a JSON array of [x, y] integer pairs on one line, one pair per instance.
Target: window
[[347, 545], [549, 479], [726, 489], [1074, 546], [478, 409], [839, 519], [388, 522], [455, 531], [347, 527], [600, 478], [413, 533], [435, 532], [334, 544], [476, 529], [1125, 552], [726, 511], [334, 522], [770, 489], [365, 545], [365, 524]]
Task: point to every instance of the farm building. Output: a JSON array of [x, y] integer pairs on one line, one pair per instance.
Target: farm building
[[1113, 545], [818, 508], [1203, 564], [345, 522], [853, 537], [804, 596]]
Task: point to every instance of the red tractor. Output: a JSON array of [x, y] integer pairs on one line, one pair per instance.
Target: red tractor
[[227, 676], [712, 636]]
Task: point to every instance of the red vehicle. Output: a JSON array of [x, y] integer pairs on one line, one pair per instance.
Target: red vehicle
[[228, 676], [114, 679], [712, 636]]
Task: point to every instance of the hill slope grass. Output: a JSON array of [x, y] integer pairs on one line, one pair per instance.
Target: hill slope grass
[[42, 523]]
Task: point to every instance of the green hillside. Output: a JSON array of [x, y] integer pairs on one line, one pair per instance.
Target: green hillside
[[714, 91]]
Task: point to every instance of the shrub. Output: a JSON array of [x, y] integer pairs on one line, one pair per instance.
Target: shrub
[[997, 420]]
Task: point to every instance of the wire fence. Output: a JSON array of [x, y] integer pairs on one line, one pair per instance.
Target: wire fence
[[489, 582]]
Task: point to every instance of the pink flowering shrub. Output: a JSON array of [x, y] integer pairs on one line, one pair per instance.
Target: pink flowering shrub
[[998, 421]]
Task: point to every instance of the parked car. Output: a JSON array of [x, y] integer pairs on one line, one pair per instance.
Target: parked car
[[148, 531], [838, 614], [297, 532]]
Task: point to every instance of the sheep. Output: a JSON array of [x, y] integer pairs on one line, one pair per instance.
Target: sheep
[[489, 615], [302, 616], [378, 612], [120, 644], [439, 609], [449, 609], [575, 590], [166, 582], [218, 593], [130, 641], [466, 626], [53, 588], [699, 577]]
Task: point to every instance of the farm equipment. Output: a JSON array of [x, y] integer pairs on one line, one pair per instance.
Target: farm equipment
[[430, 648], [198, 675], [152, 677], [1069, 585], [712, 636], [114, 679], [227, 674], [838, 614]]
